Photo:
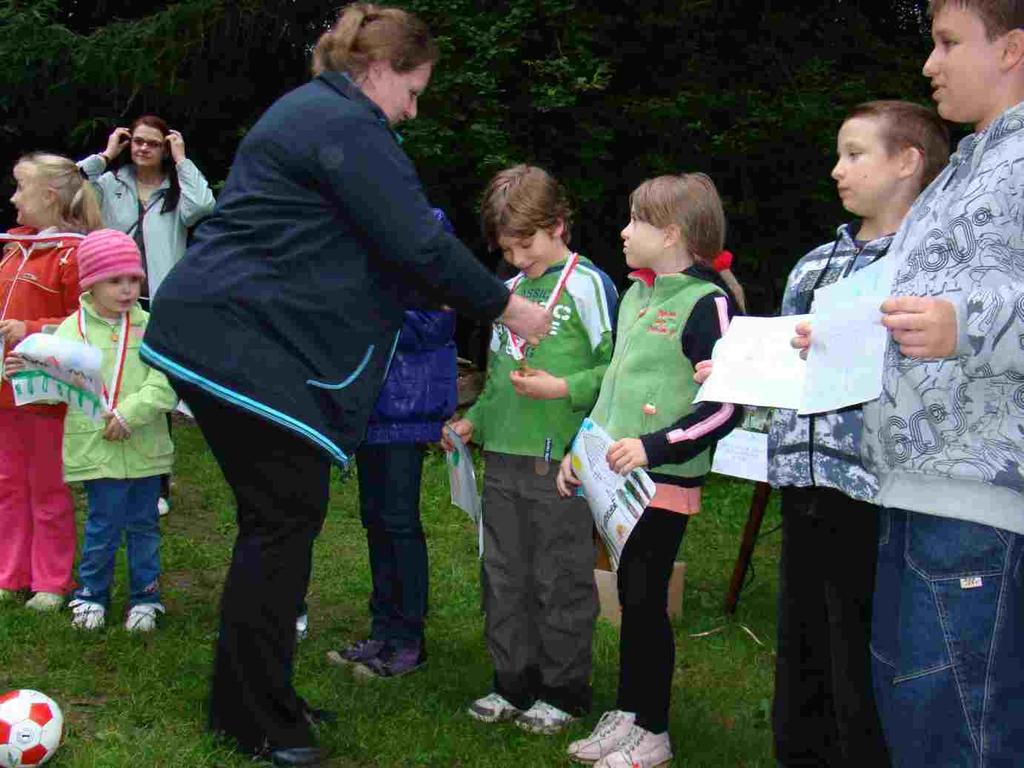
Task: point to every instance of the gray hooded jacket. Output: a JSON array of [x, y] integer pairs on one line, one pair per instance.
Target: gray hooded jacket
[[824, 449], [947, 435]]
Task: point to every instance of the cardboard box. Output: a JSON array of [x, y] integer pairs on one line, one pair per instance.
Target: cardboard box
[[608, 593]]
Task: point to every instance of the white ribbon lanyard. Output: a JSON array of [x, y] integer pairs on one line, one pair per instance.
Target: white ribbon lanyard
[[112, 391], [518, 344]]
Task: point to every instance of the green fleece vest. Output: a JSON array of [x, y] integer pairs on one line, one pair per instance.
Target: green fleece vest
[[649, 384]]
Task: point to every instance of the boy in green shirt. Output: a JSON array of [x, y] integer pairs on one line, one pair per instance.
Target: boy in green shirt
[[538, 560]]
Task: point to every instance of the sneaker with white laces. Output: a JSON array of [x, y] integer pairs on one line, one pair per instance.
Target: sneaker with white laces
[[46, 601], [142, 618], [302, 627], [493, 708], [544, 718], [640, 749], [163, 506], [609, 732], [87, 615]]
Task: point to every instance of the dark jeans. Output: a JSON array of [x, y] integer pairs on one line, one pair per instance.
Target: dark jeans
[[389, 501], [824, 710], [647, 646], [121, 509], [948, 641], [280, 483]]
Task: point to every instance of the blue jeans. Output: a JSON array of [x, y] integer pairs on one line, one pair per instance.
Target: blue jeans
[[948, 642], [121, 508], [389, 500]]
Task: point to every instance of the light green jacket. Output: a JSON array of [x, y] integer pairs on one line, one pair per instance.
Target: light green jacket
[[145, 397], [165, 234]]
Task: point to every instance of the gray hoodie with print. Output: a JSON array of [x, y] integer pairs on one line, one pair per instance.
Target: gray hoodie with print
[[823, 450], [947, 435]]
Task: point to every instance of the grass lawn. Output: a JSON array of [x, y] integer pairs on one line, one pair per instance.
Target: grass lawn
[[140, 701]]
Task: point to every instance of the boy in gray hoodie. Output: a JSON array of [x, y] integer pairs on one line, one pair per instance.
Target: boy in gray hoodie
[[946, 437], [824, 710]]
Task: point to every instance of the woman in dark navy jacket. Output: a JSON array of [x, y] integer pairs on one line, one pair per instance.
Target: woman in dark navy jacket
[[278, 326]]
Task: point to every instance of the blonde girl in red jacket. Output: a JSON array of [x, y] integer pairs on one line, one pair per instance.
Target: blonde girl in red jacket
[[38, 288]]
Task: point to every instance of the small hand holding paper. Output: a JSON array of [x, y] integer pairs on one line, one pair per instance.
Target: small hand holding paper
[[114, 431], [538, 385], [566, 482], [13, 364], [923, 327], [702, 371], [802, 340], [626, 454], [463, 428]]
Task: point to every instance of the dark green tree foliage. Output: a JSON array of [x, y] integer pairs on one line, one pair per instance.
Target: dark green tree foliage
[[605, 95]]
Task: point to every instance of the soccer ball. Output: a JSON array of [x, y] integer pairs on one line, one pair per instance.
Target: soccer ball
[[31, 728]]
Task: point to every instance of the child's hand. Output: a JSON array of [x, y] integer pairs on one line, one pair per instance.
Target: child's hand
[[626, 454], [13, 331], [463, 428], [13, 364], [538, 385], [923, 327], [702, 371], [114, 430], [566, 482], [802, 340]]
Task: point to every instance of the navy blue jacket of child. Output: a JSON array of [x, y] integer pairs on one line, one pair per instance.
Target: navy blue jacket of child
[[289, 302]]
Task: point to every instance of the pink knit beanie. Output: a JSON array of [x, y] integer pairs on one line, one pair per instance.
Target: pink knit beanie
[[107, 253]]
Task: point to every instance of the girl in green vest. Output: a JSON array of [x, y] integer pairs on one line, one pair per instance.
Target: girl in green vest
[[669, 319]]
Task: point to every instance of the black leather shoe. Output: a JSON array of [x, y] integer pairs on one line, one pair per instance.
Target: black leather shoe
[[317, 717], [304, 756]]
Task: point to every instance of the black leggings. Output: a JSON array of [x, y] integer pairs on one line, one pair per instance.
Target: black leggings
[[647, 648]]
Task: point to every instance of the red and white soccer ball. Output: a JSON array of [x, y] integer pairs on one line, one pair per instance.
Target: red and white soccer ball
[[31, 728]]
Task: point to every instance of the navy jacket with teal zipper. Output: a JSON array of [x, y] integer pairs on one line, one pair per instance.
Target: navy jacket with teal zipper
[[290, 300]]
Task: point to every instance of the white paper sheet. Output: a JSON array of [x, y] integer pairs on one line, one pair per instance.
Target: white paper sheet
[[462, 483], [616, 501], [462, 477], [754, 364], [60, 370], [848, 341], [744, 454]]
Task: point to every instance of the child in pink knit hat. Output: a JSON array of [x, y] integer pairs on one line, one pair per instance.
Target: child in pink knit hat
[[120, 459]]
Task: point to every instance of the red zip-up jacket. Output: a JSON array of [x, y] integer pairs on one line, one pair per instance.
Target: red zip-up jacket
[[38, 285]]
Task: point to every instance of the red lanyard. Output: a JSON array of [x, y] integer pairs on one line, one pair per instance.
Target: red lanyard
[[112, 392]]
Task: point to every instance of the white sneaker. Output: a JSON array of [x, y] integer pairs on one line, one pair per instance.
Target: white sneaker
[[302, 627], [87, 615], [543, 718], [640, 749], [142, 618], [46, 601], [163, 506], [609, 732], [493, 708]]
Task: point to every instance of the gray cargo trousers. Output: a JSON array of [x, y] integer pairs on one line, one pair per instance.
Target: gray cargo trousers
[[537, 579]]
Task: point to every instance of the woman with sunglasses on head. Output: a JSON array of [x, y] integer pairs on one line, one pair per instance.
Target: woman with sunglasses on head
[[154, 194]]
